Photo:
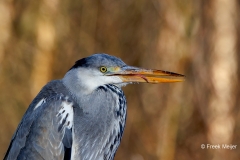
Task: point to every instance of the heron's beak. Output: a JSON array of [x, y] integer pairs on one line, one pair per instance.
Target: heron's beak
[[134, 74]]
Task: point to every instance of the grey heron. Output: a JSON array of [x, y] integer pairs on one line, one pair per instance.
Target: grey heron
[[83, 115]]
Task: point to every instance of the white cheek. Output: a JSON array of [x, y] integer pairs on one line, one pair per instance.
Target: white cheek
[[94, 82], [111, 79], [93, 79]]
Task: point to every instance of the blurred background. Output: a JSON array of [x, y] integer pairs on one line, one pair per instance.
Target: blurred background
[[41, 40]]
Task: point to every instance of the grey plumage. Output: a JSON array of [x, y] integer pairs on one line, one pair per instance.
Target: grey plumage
[[81, 116]]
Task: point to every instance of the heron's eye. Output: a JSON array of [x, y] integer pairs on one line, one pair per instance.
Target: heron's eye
[[103, 69]]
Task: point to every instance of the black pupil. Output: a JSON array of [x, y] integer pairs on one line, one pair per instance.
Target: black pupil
[[103, 69]]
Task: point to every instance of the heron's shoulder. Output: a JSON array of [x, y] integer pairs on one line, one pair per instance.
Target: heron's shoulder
[[52, 89], [55, 85]]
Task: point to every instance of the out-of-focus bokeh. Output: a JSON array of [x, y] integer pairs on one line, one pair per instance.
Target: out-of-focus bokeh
[[41, 40]]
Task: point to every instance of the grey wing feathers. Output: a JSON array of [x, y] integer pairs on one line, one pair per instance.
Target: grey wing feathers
[[41, 134]]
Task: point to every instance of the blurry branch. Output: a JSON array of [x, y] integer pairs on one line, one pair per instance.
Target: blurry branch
[[169, 124], [224, 70], [172, 43], [5, 26], [5, 33], [89, 15], [45, 35]]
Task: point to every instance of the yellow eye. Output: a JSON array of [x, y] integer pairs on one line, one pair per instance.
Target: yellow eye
[[103, 69]]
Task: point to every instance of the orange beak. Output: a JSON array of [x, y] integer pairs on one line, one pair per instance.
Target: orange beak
[[133, 74]]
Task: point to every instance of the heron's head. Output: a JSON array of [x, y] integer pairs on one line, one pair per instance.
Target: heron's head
[[99, 69]]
